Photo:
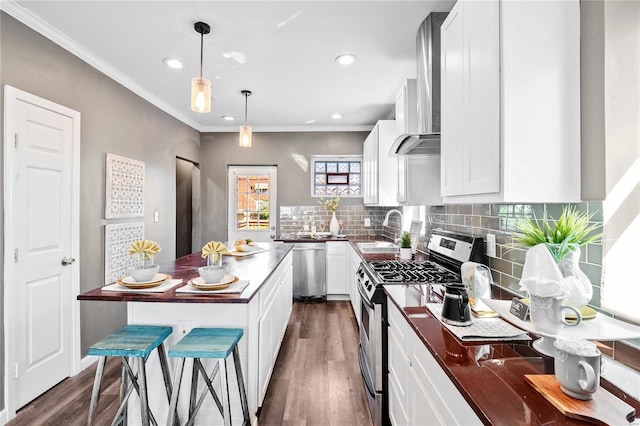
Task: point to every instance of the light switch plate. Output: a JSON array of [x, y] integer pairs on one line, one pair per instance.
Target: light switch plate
[[491, 245], [367, 222]]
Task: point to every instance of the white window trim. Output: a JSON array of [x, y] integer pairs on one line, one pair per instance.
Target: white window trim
[[315, 158]]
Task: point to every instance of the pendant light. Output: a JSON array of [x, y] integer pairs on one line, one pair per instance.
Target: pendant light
[[245, 131], [201, 87]]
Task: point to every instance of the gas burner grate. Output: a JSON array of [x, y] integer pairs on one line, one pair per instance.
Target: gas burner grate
[[392, 271]]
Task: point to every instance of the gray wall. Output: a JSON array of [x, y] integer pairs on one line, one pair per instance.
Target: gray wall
[[294, 184], [114, 120]]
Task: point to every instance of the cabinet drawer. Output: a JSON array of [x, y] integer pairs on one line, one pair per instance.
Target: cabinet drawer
[[337, 248]]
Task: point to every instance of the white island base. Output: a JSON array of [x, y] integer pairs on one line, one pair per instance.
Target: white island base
[[264, 320]]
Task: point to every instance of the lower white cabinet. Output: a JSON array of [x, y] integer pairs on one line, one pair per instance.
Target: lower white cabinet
[[419, 390], [353, 263], [275, 308], [337, 267]]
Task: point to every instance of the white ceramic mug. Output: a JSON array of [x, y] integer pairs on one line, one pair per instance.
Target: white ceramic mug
[[547, 314], [577, 367]]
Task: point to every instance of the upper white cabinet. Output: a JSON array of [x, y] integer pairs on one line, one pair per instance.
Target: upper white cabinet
[[511, 102], [379, 169]]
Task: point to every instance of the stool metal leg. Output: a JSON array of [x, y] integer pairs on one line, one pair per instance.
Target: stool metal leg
[[124, 377], [166, 376], [144, 401], [95, 394], [241, 389], [173, 405], [208, 388], [224, 390]]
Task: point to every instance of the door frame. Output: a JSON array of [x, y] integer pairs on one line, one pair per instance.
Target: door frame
[[231, 207], [13, 95]]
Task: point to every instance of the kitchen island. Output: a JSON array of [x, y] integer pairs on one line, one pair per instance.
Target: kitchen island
[[262, 310]]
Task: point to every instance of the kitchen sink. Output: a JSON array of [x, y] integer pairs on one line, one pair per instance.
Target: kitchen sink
[[378, 247]]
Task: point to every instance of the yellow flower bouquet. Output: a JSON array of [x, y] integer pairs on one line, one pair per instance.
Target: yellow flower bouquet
[[331, 204], [213, 251]]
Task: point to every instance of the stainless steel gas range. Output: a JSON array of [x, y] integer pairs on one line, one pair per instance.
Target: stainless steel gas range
[[446, 252]]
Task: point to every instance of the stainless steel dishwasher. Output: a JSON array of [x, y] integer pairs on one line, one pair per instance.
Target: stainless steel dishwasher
[[309, 275]]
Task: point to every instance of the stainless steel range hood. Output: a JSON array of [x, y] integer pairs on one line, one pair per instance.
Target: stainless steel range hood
[[426, 138]]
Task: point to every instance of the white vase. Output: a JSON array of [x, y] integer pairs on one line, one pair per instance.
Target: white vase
[[405, 253], [334, 226]]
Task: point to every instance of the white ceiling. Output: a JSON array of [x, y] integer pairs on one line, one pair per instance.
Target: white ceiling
[[283, 51]]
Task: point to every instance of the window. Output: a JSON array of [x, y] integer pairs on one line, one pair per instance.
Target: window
[[336, 176]]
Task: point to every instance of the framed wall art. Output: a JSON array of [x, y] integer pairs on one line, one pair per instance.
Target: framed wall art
[[124, 187], [117, 239]]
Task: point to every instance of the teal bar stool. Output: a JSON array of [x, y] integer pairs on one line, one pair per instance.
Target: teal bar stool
[[133, 343], [215, 343]]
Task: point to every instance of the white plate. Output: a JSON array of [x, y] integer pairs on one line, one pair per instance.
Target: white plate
[[341, 236], [225, 280], [155, 279]]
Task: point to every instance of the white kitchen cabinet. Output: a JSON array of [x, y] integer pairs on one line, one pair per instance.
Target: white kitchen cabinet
[[275, 308], [379, 169], [420, 392], [398, 367], [419, 180], [511, 102], [337, 267], [352, 280]]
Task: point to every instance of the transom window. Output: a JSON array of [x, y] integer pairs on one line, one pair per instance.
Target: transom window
[[336, 176]]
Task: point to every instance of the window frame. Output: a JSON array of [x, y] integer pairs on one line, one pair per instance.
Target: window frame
[[337, 159]]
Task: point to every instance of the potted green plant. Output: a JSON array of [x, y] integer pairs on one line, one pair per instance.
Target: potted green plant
[[572, 227], [563, 238], [405, 246]]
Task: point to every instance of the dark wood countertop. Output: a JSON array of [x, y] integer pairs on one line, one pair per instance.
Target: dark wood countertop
[[256, 268], [490, 376]]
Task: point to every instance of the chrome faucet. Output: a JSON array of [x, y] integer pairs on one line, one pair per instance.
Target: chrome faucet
[[385, 222]]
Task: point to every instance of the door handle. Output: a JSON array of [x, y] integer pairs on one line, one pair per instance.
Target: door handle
[[66, 261]]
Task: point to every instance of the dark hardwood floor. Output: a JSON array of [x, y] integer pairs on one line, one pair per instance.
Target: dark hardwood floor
[[316, 379], [68, 402]]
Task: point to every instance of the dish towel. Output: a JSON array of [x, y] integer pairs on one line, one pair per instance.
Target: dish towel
[[482, 329], [158, 289], [236, 287]]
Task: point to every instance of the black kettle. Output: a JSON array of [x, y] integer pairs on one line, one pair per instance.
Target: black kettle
[[455, 308]]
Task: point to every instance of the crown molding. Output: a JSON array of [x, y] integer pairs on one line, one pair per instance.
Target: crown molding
[[285, 128], [28, 18], [61, 39]]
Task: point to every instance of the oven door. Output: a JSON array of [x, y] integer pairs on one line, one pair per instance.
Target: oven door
[[371, 340]]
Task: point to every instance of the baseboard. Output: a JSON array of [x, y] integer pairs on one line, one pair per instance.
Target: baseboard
[[337, 297], [3, 417], [87, 361]]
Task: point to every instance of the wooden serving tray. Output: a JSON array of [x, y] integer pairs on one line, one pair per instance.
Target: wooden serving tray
[[603, 409]]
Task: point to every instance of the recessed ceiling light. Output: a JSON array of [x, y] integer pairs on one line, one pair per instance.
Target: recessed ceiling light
[[336, 116], [309, 121], [346, 59], [228, 118], [172, 63]]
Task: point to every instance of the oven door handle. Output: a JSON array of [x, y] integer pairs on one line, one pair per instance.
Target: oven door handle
[[365, 298], [365, 374]]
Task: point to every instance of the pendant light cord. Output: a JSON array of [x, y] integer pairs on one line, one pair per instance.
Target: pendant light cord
[[246, 94], [201, 52]]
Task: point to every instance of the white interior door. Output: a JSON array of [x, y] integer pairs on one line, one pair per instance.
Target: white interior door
[[41, 242], [252, 203]]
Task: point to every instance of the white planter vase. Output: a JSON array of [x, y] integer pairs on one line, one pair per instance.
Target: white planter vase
[[405, 253], [334, 226]]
